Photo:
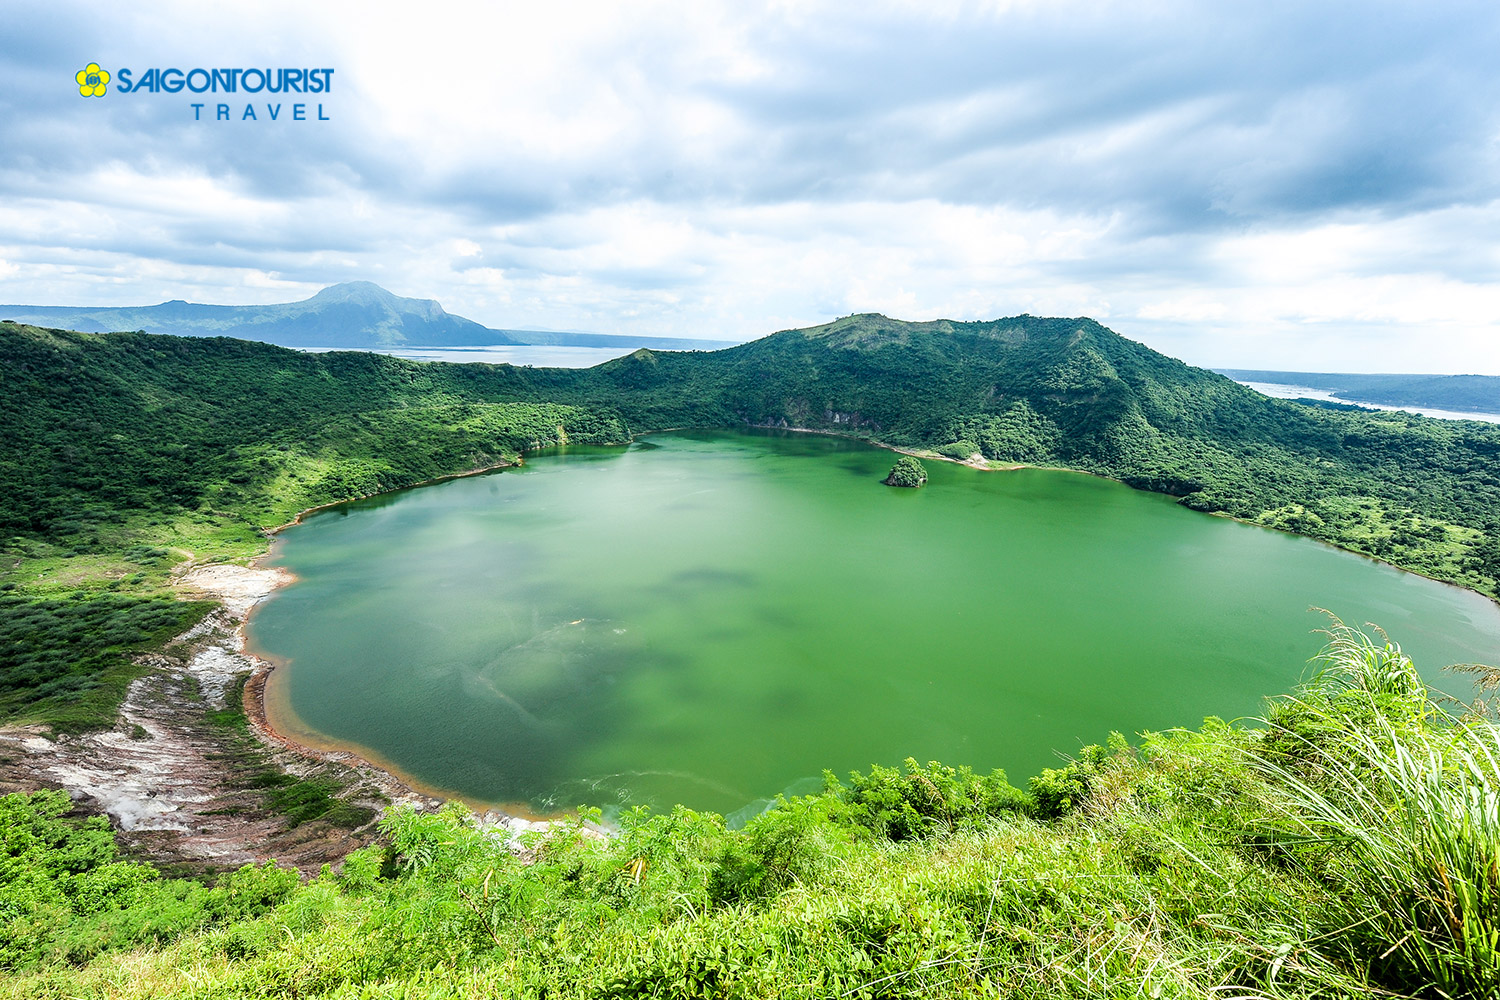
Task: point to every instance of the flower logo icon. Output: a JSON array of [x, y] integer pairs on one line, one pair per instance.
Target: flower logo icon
[[92, 81]]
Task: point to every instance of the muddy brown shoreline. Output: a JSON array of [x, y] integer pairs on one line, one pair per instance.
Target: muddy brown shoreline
[[398, 787], [169, 779], [160, 773]]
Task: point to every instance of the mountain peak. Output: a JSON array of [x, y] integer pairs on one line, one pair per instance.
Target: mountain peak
[[355, 291], [349, 314]]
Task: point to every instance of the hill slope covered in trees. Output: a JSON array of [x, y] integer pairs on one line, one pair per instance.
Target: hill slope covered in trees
[[1344, 850], [98, 427]]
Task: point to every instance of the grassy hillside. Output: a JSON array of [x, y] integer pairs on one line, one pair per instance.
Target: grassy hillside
[[66, 662], [107, 441], [1346, 849]]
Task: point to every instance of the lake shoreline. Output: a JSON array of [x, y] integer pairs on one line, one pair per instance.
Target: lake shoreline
[[271, 533], [988, 466], [400, 786], [239, 590], [367, 672]]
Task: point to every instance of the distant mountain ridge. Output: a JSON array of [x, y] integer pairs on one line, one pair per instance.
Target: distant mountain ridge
[[1473, 393], [358, 315]]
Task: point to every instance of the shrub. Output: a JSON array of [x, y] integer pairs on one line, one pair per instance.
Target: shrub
[[921, 800], [907, 472], [1059, 790], [960, 450]]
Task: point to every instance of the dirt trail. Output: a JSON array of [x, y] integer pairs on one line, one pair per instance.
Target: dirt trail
[[162, 774]]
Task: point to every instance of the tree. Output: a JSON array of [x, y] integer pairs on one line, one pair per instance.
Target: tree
[[907, 472]]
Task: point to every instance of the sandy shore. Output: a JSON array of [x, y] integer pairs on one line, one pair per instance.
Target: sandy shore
[[239, 589], [161, 774]]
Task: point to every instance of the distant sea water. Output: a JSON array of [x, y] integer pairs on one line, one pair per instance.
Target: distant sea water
[[538, 356], [1280, 390]]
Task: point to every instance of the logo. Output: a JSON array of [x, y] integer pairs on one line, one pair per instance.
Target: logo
[[92, 81], [283, 85]]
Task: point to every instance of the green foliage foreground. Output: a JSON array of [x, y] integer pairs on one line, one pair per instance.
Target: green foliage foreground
[[1346, 848]]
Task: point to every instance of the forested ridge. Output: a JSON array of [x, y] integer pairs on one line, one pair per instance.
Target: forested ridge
[[98, 428], [104, 432], [1343, 849]]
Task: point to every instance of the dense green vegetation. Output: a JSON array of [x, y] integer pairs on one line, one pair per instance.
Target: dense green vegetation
[[67, 662], [129, 438], [907, 472], [67, 894], [1343, 849], [108, 440], [1472, 393]]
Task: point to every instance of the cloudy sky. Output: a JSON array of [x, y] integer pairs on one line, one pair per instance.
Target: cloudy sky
[[1278, 184]]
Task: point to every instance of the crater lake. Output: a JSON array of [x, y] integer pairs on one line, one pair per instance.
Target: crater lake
[[716, 618]]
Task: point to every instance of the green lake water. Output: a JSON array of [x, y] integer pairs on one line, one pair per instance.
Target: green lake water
[[715, 618]]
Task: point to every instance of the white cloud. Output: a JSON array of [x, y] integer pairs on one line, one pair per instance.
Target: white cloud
[[1251, 186]]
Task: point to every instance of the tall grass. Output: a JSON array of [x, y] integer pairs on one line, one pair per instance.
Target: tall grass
[[1402, 803], [1136, 871]]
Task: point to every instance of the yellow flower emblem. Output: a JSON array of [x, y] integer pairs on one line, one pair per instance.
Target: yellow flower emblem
[[92, 81]]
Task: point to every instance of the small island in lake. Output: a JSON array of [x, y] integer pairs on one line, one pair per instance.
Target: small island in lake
[[907, 472]]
